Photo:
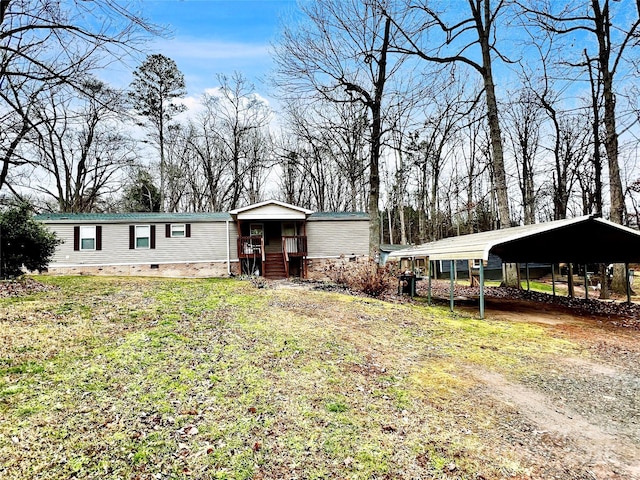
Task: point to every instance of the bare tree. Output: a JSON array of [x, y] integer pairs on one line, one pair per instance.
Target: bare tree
[[292, 178], [524, 119], [615, 30], [475, 28], [310, 156], [471, 170], [45, 44], [405, 119], [434, 146], [341, 54], [220, 158], [236, 119], [76, 152], [345, 136]]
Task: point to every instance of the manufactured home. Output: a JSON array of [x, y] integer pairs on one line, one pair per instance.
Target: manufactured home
[[270, 239]]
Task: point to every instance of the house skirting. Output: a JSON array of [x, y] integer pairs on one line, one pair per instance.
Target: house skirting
[[175, 270], [317, 268]]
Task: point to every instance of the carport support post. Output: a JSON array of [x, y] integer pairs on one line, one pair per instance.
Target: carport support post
[[481, 289], [527, 269], [429, 281], [626, 276], [553, 280], [570, 280], [586, 283], [452, 267]]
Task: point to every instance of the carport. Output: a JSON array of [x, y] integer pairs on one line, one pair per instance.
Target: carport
[[581, 240]]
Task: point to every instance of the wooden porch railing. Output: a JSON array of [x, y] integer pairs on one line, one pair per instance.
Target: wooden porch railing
[[251, 246], [285, 256], [294, 246]]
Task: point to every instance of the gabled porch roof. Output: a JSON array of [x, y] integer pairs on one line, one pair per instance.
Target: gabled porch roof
[[270, 210]]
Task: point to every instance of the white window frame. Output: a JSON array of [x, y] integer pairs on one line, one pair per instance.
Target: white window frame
[[177, 232], [475, 263], [139, 236], [87, 232]]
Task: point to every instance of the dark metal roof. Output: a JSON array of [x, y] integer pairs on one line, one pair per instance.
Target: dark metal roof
[[579, 240]]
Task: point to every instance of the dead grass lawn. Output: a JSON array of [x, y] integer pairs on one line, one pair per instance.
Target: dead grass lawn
[[216, 379]]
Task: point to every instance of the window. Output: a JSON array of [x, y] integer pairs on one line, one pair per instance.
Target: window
[[143, 236], [256, 230], [476, 263], [178, 230], [87, 238]]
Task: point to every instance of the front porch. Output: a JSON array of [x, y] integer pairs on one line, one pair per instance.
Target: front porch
[[273, 257], [272, 240]]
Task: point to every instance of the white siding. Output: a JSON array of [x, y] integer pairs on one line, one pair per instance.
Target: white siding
[[208, 243], [332, 238]]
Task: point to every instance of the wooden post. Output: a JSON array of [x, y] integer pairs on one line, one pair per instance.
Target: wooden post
[[553, 280], [528, 279]]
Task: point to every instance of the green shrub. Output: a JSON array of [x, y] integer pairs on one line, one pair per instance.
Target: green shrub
[[24, 243]]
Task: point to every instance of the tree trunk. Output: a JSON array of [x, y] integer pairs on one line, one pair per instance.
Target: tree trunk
[[511, 273], [619, 283], [376, 134], [495, 134]]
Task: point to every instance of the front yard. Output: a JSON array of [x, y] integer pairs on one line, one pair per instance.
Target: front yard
[[154, 378]]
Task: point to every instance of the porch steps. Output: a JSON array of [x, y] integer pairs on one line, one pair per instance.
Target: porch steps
[[274, 266]]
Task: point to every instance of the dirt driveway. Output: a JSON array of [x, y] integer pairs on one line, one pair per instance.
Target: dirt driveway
[[580, 419]]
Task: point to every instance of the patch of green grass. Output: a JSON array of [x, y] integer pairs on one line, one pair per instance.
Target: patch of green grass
[[7, 390], [26, 368], [337, 406]]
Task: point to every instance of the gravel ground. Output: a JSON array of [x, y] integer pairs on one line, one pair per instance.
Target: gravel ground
[[580, 419]]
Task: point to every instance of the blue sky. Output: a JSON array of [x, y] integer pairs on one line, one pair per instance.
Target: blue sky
[[218, 36]]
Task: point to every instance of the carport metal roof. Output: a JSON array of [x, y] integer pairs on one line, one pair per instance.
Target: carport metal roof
[[586, 239], [582, 240]]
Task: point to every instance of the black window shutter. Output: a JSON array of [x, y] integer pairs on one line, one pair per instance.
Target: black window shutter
[[132, 237], [98, 237], [187, 230], [167, 230], [76, 238], [152, 240]]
